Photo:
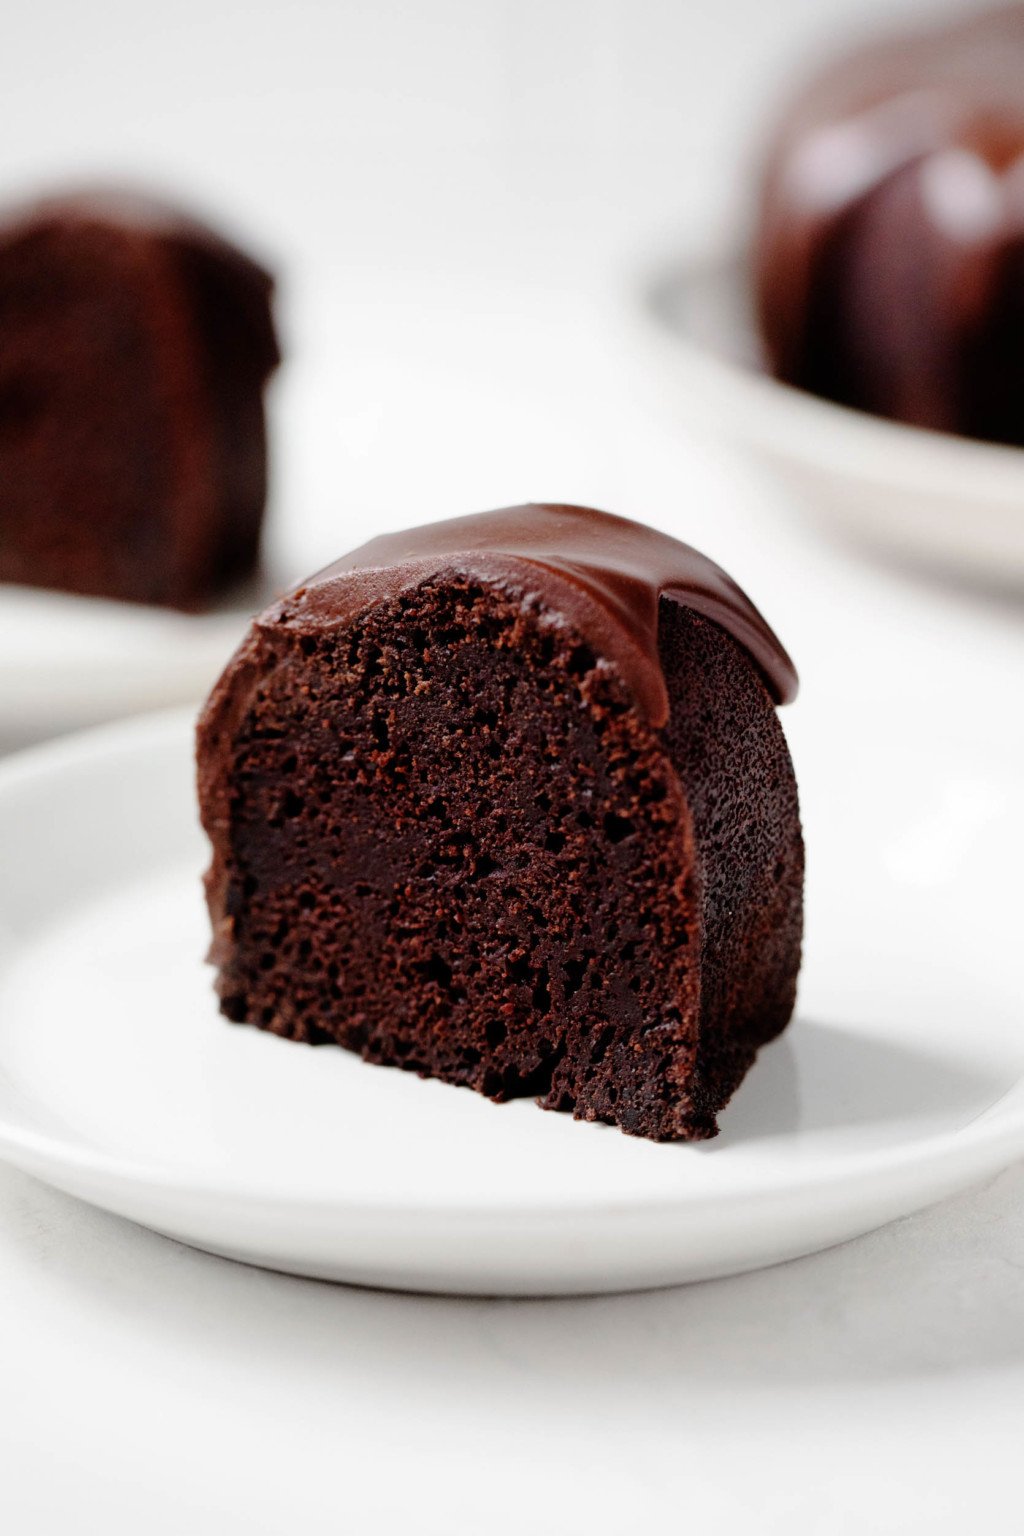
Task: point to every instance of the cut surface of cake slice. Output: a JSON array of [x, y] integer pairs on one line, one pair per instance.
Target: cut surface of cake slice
[[505, 801]]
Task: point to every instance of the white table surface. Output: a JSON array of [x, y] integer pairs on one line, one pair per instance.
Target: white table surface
[[457, 312]]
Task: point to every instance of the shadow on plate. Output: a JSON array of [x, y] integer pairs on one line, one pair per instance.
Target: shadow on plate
[[819, 1077]]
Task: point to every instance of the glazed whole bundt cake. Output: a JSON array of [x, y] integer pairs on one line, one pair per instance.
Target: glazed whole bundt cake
[[134, 349], [889, 257], [505, 801]]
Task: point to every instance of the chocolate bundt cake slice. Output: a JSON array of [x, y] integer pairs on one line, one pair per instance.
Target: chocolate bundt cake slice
[[505, 801], [134, 348], [889, 257]]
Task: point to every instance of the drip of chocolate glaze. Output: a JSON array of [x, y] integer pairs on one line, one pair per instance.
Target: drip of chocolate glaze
[[601, 574], [911, 145]]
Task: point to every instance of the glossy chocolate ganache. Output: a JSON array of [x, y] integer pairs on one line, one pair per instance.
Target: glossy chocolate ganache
[[889, 257], [605, 573], [506, 801]]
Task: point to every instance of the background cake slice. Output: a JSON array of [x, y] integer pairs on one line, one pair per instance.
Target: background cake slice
[[505, 801], [134, 349]]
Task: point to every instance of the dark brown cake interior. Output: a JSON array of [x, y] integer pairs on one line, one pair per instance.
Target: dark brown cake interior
[[455, 846]]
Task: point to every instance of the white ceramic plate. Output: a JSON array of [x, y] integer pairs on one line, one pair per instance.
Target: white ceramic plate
[[949, 502], [901, 1081]]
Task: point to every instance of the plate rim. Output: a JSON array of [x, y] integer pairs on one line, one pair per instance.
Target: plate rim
[[783, 414]]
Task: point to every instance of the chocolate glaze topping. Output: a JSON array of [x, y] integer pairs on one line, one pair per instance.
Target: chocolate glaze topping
[[924, 134], [603, 574]]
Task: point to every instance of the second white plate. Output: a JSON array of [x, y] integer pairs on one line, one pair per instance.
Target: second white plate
[[902, 1080], [946, 502]]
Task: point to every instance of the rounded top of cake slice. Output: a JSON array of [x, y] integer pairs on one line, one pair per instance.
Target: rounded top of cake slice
[[604, 575], [902, 97], [127, 209], [139, 221], [967, 70]]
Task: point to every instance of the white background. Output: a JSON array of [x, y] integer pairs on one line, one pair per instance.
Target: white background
[[456, 195]]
